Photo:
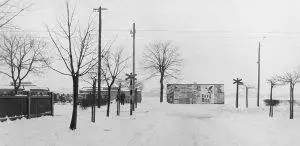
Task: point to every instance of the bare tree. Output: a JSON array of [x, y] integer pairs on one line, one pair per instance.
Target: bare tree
[[273, 82], [161, 59], [22, 55], [291, 78], [75, 50], [9, 9], [113, 65]]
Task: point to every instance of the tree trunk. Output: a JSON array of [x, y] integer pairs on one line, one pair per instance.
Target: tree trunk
[[271, 100], [108, 101], [16, 87], [16, 90], [118, 100], [291, 102], [136, 99], [247, 97], [75, 98], [161, 87]]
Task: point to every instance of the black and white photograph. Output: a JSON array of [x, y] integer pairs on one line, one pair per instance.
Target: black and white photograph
[[149, 72]]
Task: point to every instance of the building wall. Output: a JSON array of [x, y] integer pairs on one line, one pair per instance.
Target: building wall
[[195, 93]]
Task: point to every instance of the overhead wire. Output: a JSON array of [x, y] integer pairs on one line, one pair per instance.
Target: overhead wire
[[222, 33]]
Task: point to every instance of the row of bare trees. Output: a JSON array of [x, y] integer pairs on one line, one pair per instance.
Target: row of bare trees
[[76, 50], [287, 78], [24, 55]]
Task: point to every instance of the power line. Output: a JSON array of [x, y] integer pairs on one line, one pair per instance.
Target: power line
[[222, 33], [177, 30]]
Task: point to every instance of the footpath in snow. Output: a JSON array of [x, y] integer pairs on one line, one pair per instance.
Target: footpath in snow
[[156, 124]]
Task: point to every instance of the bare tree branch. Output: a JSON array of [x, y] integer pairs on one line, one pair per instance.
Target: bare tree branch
[[10, 11], [22, 54], [288, 78]]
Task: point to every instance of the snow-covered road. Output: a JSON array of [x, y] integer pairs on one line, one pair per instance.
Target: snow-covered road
[[156, 124]]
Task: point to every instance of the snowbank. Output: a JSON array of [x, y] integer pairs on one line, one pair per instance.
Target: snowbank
[[159, 124]]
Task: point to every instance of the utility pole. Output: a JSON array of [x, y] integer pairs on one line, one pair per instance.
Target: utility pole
[[132, 32], [258, 79], [99, 10]]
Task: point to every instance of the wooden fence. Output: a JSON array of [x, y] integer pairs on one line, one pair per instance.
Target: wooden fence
[[25, 106]]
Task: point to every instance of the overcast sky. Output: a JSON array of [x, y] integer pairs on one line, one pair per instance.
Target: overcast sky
[[218, 39]]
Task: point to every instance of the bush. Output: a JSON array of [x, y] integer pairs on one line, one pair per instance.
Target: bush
[[273, 102], [62, 98], [85, 103]]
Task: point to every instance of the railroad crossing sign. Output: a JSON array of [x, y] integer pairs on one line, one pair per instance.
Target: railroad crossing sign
[[238, 82], [130, 76]]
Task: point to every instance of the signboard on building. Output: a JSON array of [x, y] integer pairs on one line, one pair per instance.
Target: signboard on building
[[195, 93]]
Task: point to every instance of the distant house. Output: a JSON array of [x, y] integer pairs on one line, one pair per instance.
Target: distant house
[[195, 93], [25, 87]]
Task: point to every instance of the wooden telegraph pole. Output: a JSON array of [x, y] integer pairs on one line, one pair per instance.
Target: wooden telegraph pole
[[258, 79], [99, 10], [238, 82], [132, 32]]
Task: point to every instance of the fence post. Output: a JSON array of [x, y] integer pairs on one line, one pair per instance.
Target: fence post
[[51, 102], [28, 105]]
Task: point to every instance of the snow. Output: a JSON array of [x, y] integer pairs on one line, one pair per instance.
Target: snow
[[159, 124]]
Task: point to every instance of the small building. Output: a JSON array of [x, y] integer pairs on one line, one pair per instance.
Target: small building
[[195, 93]]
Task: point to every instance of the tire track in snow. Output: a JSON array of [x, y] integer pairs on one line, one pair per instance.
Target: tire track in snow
[[142, 137]]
